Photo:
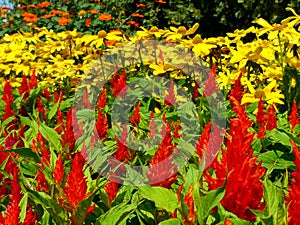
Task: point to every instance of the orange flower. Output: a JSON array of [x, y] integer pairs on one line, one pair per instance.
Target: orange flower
[[88, 22], [43, 4], [58, 12], [48, 16], [64, 21], [110, 42], [137, 15], [105, 17], [92, 11], [140, 5], [130, 22], [30, 17], [161, 1]]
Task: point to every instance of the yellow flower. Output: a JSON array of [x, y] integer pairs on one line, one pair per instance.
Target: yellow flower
[[177, 33], [266, 93]]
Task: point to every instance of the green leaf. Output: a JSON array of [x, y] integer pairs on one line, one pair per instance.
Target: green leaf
[[118, 214], [275, 160], [26, 153], [279, 136], [51, 136], [208, 202], [162, 197], [81, 210], [173, 221], [23, 206], [66, 104], [57, 212], [53, 111]]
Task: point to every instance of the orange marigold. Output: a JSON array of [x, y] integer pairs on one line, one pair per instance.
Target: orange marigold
[[30, 17], [43, 4], [105, 17], [64, 21], [137, 15], [92, 11], [48, 16]]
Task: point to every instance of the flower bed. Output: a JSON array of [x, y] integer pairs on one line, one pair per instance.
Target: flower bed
[[219, 150]]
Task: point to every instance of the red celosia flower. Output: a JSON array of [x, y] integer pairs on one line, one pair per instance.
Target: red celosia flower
[[189, 201], [271, 118], [58, 173], [262, 130], [33, 81], [76, 186], [211, 86], [203, 141], [111, 189], [59, 122], [260, 116], [162, 171], [236, 92], [118, 85], [85, 100], [8, 111], [195, 92], [294, 116], [30, 218], [293, 200], [122, 151], [136, 117], [41, 108], [228, 222], [101, 125], [13, 209], [152, 125], [102, 99], [68, 137], [24, 88], [170, 98], [244, 189]]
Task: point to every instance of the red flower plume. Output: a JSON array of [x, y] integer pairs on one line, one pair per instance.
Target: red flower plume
[[294, 116]]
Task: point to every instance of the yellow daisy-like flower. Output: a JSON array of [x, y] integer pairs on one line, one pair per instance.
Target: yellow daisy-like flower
[[266, 93]]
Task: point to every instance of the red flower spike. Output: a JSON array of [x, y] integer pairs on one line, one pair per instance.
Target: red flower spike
[[211, 86], [33, 81], [294, 116], [111, 189], [118, 84], [260, 116], [165, 169], [189, 201], [8, 111], [195, 92], [58, 173], [68, 138], [262, 130], [152, 125], [46, 94], [160, 56], [293, 200], [228, 222], [101, 125], [170, 97], [13, 209], [102, 99], [203, 141], [136, 117], [271, 118], [41, 108], [30, 218], [42, 184], [85, 100], [24, 88], [122, 153], [236, 92], [76, 186], [59, 122]]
